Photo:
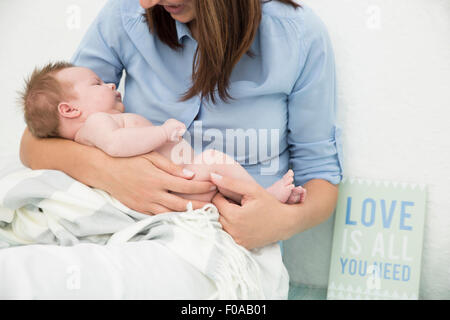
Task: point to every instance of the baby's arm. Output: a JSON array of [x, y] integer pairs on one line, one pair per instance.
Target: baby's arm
[[102, 131]]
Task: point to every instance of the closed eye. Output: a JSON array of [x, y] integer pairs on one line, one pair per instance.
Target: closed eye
[[98, 82]]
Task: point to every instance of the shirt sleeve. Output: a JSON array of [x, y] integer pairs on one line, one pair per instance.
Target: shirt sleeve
[[98, 49], [314, 139]]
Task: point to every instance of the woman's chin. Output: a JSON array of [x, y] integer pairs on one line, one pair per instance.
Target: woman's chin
[[182, 18]]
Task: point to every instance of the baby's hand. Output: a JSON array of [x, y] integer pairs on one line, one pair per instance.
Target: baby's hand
[[174, 129]]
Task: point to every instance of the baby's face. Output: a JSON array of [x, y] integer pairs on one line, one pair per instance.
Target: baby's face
[[91, 93]]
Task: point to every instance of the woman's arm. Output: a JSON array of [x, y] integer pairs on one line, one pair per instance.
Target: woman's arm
[[317, 208], [314, 146], [141, 183], [63, 155], [261, 219]]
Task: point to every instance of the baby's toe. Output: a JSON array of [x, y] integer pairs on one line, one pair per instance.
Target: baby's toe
[[301, 192], [181, 131], [293, 198], [175, 136], [288, 178], [290, 173]]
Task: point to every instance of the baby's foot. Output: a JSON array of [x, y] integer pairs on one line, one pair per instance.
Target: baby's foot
[[282, 189], [174, 129], [298, 195]]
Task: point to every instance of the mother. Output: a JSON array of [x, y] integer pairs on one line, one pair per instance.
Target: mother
[[264, 67]]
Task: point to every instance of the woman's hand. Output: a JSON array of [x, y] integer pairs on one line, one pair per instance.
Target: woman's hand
[[143, 183], [259, 220]]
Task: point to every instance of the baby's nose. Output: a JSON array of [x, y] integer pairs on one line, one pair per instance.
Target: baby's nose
[[112, 86]]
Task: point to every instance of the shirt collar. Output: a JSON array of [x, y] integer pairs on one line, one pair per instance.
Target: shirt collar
[[183, 31]]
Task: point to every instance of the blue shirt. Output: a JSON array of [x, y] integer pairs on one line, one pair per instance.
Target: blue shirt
[[284, 97]]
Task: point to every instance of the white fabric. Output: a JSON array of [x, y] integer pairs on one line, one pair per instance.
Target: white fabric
[[138, 270], [178, 249]]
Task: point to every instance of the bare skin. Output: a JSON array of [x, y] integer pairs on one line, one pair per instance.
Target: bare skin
[[147, 183], [92, 114]]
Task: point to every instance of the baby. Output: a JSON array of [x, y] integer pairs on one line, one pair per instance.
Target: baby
[[61, 100]]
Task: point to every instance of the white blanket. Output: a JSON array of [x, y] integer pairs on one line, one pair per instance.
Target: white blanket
[[95, 247]]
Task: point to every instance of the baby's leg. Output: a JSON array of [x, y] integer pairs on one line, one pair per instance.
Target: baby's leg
[[212, 161], [218, 162]]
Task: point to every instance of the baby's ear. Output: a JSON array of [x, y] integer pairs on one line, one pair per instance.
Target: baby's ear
[[66, 110]]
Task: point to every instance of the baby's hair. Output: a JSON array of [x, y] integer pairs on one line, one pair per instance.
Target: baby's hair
[[40, 99]]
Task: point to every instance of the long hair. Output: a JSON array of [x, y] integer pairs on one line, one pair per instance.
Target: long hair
[[226, 30]]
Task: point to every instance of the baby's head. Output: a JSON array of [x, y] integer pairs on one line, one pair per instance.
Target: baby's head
[[59, 97]]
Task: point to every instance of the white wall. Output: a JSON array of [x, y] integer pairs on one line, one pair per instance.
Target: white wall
[[394, 95], [34, 33], [393, 68]]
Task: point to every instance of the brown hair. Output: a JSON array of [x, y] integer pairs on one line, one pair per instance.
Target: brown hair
[[40, 99], [226, 30]]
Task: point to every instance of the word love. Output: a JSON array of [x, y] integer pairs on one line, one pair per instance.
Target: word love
[[372, 210]]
